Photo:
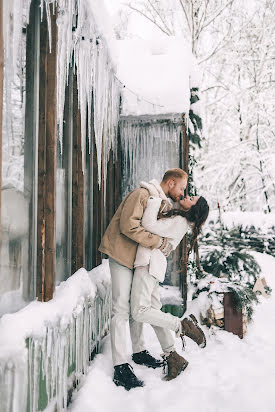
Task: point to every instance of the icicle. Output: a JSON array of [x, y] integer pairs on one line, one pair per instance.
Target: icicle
[[148, 142]]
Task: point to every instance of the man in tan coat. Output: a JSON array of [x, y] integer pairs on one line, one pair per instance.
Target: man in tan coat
[[120, 242]]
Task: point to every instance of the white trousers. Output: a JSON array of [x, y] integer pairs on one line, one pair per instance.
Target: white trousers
[[146, 307], [122, 279]]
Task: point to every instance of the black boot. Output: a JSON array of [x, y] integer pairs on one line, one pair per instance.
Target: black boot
[[124, 376], [144, 358]]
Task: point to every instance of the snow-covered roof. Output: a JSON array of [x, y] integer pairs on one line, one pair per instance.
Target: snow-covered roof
[[159, 72]]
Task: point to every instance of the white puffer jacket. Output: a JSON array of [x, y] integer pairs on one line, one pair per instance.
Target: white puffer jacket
[[174, 228]]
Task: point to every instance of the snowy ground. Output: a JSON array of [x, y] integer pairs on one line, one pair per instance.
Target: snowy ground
[[229, 375]]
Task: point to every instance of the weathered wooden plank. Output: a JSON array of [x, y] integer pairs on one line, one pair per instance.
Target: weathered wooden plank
[[1, 97], [78, 251], [51, 147], [233, 319], [95, 206], [40, 279]]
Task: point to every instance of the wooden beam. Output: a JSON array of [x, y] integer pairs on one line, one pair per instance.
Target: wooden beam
[[78, 249], [151, 118], [233, 319], [47, 144], [51, 148], [1, 96]]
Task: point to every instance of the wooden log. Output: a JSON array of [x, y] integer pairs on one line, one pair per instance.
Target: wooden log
[[233, 319], [51, 147], [1, 98], [47, 144]]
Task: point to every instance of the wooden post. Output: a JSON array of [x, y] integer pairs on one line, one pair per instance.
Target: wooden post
[[46, 228], [233, 319], [1, 97], [51, 147], [184, 254], [78, 250]]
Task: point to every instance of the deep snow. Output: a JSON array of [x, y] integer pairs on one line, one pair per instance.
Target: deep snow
[[228, 375]]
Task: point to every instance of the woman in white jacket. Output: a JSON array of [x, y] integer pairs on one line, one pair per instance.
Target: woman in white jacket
[[150, 267]]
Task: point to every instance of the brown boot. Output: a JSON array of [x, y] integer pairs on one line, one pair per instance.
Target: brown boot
[[191, 329], [175, 365]]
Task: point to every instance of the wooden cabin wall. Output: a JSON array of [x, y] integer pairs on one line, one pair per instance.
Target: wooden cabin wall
[[87, 201]]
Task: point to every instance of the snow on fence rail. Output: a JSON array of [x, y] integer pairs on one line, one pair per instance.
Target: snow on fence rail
[[46, 347]]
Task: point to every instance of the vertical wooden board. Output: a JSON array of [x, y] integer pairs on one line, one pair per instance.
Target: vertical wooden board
[[74, 174], [233, 319], [95, 206], [1, 98], [40, 281], [51, 148], [77, 188], [101, 211], [80, 212]]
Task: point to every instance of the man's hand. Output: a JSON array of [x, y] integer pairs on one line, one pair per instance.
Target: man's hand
[[165, 247]]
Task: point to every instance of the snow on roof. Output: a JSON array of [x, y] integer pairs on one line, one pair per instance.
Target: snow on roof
[[157, 71], [104, 25]]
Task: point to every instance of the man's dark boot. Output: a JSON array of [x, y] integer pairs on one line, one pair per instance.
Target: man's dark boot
[[124, 376], [175, 364], [144, 358], [190, 328]]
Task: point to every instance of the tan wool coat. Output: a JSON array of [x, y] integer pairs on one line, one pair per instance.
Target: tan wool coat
[[125, 232]]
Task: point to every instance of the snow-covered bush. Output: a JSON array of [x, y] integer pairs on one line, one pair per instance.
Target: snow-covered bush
[[227, 266]]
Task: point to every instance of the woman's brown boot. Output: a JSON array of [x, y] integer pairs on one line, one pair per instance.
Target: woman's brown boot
[[191, 329], [174, 365]]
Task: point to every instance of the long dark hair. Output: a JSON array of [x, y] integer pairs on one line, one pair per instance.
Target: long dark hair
[[196, 215]]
